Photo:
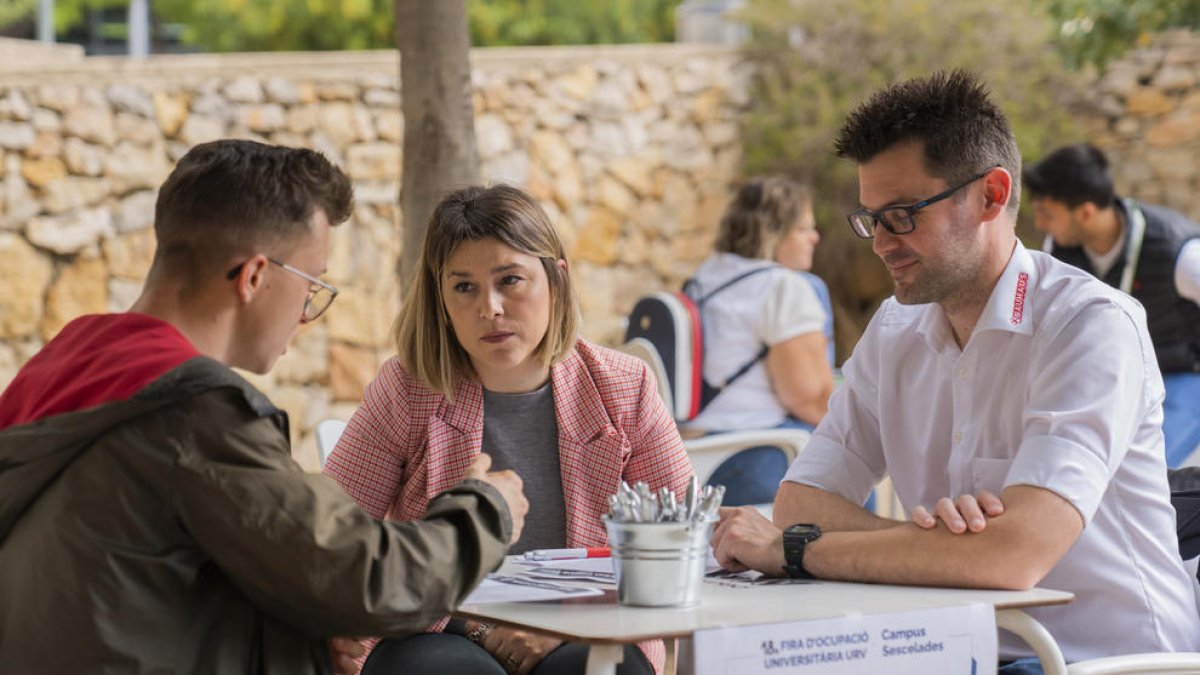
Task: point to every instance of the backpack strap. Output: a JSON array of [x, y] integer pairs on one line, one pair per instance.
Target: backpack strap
[[709, 392]]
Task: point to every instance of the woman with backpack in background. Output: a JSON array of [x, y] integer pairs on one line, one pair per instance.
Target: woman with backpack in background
[[489, 360], [767, 351]]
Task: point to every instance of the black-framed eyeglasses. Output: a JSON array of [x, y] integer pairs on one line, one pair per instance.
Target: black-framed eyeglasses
[[899, 219], [320, 294]]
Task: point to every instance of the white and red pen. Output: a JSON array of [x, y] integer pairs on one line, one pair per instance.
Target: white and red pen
[[568, 553]]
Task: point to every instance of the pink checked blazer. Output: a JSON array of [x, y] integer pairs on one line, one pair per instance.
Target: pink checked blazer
[[406, 443]]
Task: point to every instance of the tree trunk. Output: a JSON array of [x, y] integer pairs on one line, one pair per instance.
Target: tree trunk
[[439, 151]]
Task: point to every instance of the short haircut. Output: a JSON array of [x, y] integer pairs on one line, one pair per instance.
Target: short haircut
[[424, 337], [962, 131], [761, 213], [1073, 175], [231, 197]]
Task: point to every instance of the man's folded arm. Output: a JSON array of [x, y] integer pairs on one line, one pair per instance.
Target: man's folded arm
[[1015, 552]]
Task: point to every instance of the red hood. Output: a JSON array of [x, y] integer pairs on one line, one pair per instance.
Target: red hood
[[95, 359]]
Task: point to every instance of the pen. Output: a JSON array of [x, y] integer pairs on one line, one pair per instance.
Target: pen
[[568, 553]]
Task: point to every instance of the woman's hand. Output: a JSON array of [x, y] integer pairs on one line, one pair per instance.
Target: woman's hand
[[517, 651], [967, 513]]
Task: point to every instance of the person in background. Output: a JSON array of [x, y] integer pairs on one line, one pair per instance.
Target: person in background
[[1148, 251], [151, 516], [1014, 401], [489, 360], [766, 346]]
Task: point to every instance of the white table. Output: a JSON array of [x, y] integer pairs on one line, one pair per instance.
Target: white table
[[605, 625]]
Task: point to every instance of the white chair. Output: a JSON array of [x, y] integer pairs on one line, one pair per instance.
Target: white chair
[[328, 432]]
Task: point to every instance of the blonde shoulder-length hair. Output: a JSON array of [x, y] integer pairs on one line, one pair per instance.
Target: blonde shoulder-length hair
[[424, 337], [764, 210]]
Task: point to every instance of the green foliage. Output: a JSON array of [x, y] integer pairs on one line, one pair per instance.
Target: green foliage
[[560, 22], [1095, 31], [817, 59], [305, 25], [16, 10]]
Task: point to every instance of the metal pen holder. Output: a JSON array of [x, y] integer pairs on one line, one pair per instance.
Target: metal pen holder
[[659, 564]]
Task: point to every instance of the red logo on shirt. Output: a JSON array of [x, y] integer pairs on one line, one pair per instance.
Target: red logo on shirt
[[1019, 298]]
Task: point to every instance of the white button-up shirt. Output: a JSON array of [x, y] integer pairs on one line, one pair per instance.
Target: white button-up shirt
[[1057, 388]]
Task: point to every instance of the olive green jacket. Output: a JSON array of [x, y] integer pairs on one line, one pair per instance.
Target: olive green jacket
[[173, 533]]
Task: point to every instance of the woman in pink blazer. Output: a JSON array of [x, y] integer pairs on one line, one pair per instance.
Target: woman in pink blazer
[[489, 360]]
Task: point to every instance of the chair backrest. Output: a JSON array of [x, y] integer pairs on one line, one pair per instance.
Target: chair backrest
[[328, 432]]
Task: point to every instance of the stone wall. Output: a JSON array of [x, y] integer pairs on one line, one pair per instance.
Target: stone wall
[[1144, 112], [631, 149]]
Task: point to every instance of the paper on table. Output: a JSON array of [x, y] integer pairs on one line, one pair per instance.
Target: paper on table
[[492, 591], [584, 569]]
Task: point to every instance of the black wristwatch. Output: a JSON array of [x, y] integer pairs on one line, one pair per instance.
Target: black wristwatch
[[795, 538]]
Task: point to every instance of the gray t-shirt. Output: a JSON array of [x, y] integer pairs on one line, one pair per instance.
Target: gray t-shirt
[[520, 432]]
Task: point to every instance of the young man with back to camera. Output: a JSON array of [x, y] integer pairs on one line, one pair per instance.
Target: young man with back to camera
[[1014, 400], [151, 516]]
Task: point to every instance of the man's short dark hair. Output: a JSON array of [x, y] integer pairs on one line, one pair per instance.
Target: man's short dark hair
[[1073, 175], [962, 130], [231, 197]]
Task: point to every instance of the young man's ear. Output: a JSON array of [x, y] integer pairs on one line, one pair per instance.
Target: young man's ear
[[1085, 213], [251, 277]]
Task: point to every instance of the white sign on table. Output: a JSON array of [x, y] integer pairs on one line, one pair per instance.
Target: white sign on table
[[954, 640]]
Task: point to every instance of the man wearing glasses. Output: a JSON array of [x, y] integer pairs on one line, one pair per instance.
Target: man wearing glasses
[[1014, 401], [151, 516]]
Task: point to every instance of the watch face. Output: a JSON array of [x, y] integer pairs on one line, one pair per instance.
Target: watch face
[[803, 531]]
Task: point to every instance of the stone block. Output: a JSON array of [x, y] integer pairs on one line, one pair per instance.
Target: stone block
[[58, 97], [382, 98], [373, 161], [360, 317], [132, 167], [634, 173], [302, 119], [81, 288], [45, 145], [1146, 101], [137, 129], [199, 129], [16, 135], [579, 83], [613, 194], [94, 124], [336, 90], [73, 192], [281, 90], [337, 122], [1174, 78], [131, 99], [83, 158], [171, 111], [389, 125], [46, 121], [1177, 130], [599, 236], [263, 118], [244, 89], [511, 168], [351, 369], [70, 233], [24, 275], [15, 106], [551, 151], [39, 172], [129, 255], [493, 136]]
